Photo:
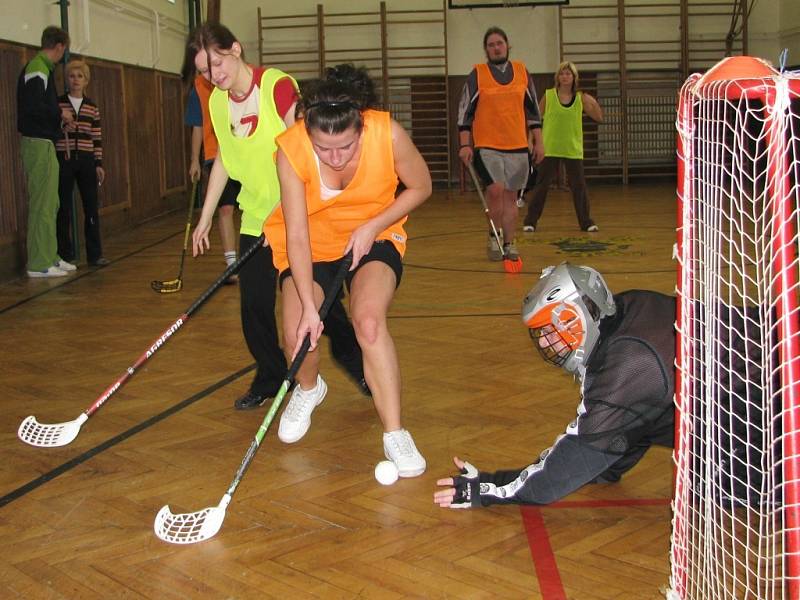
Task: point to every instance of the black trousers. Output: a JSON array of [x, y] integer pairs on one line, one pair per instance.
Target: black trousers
[[80, 169], [547, 172], [258, 288]]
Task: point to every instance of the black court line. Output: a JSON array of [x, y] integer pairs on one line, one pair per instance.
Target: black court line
[[426, 236], [80, 276], [488, 271], [498, 271], [453, 316], [82, 458]]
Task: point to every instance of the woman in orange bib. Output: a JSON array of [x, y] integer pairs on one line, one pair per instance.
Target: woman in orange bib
[[339, 167]]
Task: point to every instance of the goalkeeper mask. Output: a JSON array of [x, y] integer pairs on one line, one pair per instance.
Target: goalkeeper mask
[[563, 312]]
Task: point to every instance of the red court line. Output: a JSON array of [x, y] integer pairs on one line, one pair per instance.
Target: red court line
[[544, 561], [610, 503]]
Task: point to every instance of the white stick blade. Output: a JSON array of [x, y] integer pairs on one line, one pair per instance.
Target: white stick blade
[[188, 528], [46, 435]]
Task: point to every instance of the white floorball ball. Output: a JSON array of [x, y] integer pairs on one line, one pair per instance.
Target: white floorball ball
[[386, 472]]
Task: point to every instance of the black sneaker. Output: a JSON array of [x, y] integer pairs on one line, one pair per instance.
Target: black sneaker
[[250, 401], [360, 381], [100, 262], [355, 372], [364, 388]]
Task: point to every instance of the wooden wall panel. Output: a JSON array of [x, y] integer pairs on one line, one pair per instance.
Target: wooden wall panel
[[13, 207], [143, 144], [172, 128], [106, 89]]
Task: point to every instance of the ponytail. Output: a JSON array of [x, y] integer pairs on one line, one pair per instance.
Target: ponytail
[[334, 103]]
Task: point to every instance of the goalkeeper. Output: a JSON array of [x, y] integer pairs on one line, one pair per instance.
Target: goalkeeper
[[622, 349]]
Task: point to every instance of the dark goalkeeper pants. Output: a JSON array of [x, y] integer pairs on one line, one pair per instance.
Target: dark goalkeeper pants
[[258, 287]]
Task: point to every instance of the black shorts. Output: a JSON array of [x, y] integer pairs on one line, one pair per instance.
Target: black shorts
[[229, 194], [382, 250]]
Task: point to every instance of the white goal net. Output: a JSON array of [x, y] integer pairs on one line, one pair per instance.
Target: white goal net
[[736, 518]]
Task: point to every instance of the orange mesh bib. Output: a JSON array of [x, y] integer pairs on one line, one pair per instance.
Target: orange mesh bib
[[204, 88], [331, 222], [500, 116]]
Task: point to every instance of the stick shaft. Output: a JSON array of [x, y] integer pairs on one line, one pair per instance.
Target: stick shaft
[[188, 226], [139, 362], [330, 297], [477, 185], [231, 270], [161, 340]]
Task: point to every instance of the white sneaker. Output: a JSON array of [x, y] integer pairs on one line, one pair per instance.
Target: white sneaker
[[510, 251], [399, 448], [296, 419], [528, 228], [592, 228], [493, 250], [51, 272], [65, 266]]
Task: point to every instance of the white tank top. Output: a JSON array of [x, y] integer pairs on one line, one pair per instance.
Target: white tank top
[[325, 192]]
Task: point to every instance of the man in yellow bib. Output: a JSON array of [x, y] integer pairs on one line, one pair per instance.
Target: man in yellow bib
[[498, 117]]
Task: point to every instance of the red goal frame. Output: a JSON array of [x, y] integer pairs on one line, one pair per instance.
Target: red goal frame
[[732, 79]]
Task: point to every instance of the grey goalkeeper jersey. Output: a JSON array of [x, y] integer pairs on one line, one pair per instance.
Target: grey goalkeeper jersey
[[626, 406]]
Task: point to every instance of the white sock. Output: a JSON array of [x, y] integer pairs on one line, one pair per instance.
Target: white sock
[[230, 257]]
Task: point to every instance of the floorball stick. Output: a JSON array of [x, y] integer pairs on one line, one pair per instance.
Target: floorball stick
[[190, 528], [175, 285], [510, 265], [48, 435]]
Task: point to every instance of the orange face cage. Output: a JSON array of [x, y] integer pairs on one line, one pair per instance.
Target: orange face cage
[[557, 331]]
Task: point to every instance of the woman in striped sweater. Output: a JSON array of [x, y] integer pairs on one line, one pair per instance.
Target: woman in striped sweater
[[80, 158]]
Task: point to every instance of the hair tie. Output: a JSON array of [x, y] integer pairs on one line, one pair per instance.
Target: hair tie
[[331, 104]]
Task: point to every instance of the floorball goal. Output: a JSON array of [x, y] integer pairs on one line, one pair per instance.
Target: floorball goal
[[736, 509]]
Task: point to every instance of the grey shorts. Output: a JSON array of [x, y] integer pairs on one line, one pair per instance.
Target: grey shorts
[[509, 168]]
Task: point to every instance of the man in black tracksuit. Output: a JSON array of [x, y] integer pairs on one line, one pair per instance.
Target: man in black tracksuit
[[625, 364], [622, 349]]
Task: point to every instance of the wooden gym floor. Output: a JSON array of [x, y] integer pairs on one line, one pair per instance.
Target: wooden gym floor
[[309, 520]]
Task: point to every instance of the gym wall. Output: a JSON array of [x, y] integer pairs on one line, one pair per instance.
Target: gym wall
[[144, 149]]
